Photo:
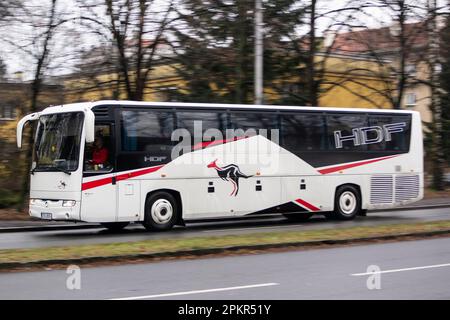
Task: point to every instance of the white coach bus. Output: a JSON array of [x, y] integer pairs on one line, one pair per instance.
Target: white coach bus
[[116, 162]]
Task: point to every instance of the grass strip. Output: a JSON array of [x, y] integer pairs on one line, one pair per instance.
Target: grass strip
[[198, 243]]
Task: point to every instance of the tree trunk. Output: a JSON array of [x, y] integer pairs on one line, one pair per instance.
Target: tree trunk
[[437, 147], [35, 91], [311, 76]]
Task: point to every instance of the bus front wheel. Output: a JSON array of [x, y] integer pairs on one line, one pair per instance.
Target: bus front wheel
[[161, 211], [347, 203]]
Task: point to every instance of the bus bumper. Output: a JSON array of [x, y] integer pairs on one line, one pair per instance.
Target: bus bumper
[[55, 209]]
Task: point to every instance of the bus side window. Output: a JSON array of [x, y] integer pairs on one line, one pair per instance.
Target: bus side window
[[99, 155], [147, 131], [343, 126], [250, 123], [400, 140], [212, 126], [303, 132]]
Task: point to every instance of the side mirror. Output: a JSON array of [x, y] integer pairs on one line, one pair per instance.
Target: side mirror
[[21, 124], [89, 124]]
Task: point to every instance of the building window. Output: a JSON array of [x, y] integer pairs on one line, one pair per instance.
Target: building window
[[167, 94], [438, 68], [410, 70], [7, 112], [411, 99]]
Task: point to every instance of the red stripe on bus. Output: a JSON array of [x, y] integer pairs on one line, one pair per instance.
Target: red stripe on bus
[[352, 165], [96, 183], [307, 205], [129, 175], [120, 177]]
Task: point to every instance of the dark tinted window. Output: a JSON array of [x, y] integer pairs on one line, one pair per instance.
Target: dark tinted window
[[303, 132], [203, 126], [342, 135], [250, 123], [146, 131], [396, 132]]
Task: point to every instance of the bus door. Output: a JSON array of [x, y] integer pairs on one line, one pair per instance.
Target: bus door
[[128, 198], [99, 188]]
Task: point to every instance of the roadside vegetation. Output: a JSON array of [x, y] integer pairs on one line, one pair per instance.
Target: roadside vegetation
[[187, 246]]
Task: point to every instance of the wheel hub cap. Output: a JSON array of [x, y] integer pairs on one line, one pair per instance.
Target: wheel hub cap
[[161, 211], [347, 202]]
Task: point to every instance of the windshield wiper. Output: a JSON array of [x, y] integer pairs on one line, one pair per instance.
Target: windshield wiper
[[58, 162], [50, 168], [62, 170]]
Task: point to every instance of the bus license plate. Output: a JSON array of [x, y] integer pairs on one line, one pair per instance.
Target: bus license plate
[[46, 215]]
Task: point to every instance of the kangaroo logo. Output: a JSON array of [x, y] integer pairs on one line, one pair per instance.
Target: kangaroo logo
[[230, 173]]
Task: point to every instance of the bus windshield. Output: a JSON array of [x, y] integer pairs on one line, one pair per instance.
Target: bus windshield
[[57, 145]]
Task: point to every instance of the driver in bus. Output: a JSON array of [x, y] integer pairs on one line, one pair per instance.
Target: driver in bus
[[99, 153]]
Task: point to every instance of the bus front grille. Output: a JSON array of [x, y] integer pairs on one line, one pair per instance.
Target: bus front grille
[[381, 189], [406, 187]]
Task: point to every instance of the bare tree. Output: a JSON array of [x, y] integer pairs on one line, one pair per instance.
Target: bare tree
[[7, 8], [136, 29], [310, 48], [434, 61], [311, 78], [397, 47], [36, 27]]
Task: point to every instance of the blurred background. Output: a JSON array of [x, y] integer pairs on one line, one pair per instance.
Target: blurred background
[[392, 54]]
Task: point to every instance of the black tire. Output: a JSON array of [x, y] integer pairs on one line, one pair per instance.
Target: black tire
[[347, 203], [115, 226], [161, 211], [301, 216]]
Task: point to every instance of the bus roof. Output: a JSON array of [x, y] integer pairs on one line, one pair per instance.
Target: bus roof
[[80, 106]]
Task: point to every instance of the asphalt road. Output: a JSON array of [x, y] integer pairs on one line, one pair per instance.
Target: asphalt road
[[409, 270], [272, 223]]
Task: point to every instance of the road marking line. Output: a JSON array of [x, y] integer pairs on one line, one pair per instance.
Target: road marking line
[[198, 291], [404, 269]]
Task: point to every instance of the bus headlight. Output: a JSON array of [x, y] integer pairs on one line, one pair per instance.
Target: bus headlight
[[32, 202], [68, 203]]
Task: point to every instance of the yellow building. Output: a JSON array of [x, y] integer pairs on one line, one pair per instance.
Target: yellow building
[[355, 82], [384, 43], [348, 81]]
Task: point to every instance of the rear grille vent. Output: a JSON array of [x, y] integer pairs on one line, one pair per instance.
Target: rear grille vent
[[381, 189], [101, 111], [406, 187]]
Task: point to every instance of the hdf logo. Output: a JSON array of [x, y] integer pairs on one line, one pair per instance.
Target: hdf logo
[[360, 136]]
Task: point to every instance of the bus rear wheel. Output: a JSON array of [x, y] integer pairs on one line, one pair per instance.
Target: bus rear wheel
[[115, 226], [161, 211], [302, 216], [347, 203]]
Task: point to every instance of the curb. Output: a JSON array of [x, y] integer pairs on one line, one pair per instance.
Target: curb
[[48, 228], [96, 226], [220, 250]]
